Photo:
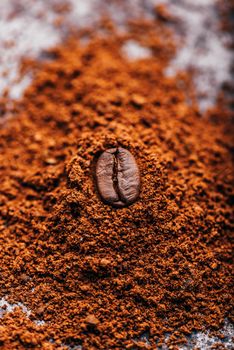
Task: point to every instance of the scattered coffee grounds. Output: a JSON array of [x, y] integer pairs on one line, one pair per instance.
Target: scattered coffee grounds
[[89, 274], [118, 177]]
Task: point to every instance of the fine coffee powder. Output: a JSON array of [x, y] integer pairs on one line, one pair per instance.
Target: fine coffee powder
[[118, 177], [89, 274]]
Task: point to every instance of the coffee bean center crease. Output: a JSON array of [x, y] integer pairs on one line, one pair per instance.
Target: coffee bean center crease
[[118, 177]]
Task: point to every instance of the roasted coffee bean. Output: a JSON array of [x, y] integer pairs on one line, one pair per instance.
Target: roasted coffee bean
[[118, 177]]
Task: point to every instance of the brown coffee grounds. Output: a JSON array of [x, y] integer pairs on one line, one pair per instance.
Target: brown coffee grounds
[[97, 276]]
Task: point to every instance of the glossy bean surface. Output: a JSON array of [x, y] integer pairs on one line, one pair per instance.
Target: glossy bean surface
[[118, 177]]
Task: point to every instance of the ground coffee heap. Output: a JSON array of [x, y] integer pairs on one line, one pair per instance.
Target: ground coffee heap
[[98, 276]]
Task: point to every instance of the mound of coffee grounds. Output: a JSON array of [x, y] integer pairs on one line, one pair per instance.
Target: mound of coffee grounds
[[90, 274]]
